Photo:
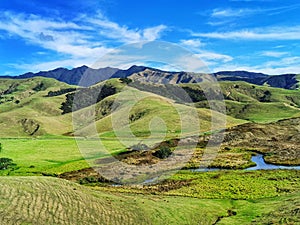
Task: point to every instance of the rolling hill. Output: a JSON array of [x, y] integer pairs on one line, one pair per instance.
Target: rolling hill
[[25, 109], [243, 100], [44, 200], [42, 106], [39, 106]]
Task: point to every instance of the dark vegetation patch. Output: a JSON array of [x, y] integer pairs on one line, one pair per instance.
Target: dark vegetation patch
[[6, 163], [60, 92], [12, 88], [230, 213], [163, 152], [5, 95], [85, 176], [39, 87], [106, 107], [87, 97], [135, 116], [126, 80]]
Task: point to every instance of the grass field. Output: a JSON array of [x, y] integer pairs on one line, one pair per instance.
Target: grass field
[[51, 155]]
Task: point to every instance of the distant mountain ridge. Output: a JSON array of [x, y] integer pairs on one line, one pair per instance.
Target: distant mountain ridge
[[86, 76], [287, 81]]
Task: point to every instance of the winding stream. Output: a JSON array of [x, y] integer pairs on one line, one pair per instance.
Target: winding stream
[[257, 159], [262, 165]]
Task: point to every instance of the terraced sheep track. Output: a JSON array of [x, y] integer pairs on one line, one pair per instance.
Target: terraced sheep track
[[38, 200]]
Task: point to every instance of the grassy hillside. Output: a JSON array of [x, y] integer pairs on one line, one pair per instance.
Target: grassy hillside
[[38, 200], [25, 110], [41, 200], [257, 103], [243, 100], [137, 114]]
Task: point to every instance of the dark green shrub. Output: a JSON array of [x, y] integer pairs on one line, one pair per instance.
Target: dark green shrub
[[126, 80], [163, 152], [5, 163]]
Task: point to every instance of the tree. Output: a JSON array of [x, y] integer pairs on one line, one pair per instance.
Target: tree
[[163, 152], [5, 163], [125, 80]]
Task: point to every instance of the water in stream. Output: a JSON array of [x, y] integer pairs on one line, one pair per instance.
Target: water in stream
[[262, 165], [257, 159]]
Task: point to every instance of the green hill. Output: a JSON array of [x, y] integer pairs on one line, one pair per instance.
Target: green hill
[[41, 106], [25, 109], [42, 200], [257, 103]]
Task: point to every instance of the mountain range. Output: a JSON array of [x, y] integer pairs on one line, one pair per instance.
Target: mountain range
[[85, 76]]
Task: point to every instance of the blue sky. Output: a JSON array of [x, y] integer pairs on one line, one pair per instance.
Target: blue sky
[[253, 35]]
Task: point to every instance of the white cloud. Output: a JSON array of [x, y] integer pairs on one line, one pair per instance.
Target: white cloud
[[212, 56], [274, 54], [221, 16], [63, 37], [194, 43], [123, 34], [239, 12], [221, 13], [44, 66], [288, 61], [266, 34], [209, 58], [153, 33], [81, 41], [274, 67]]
